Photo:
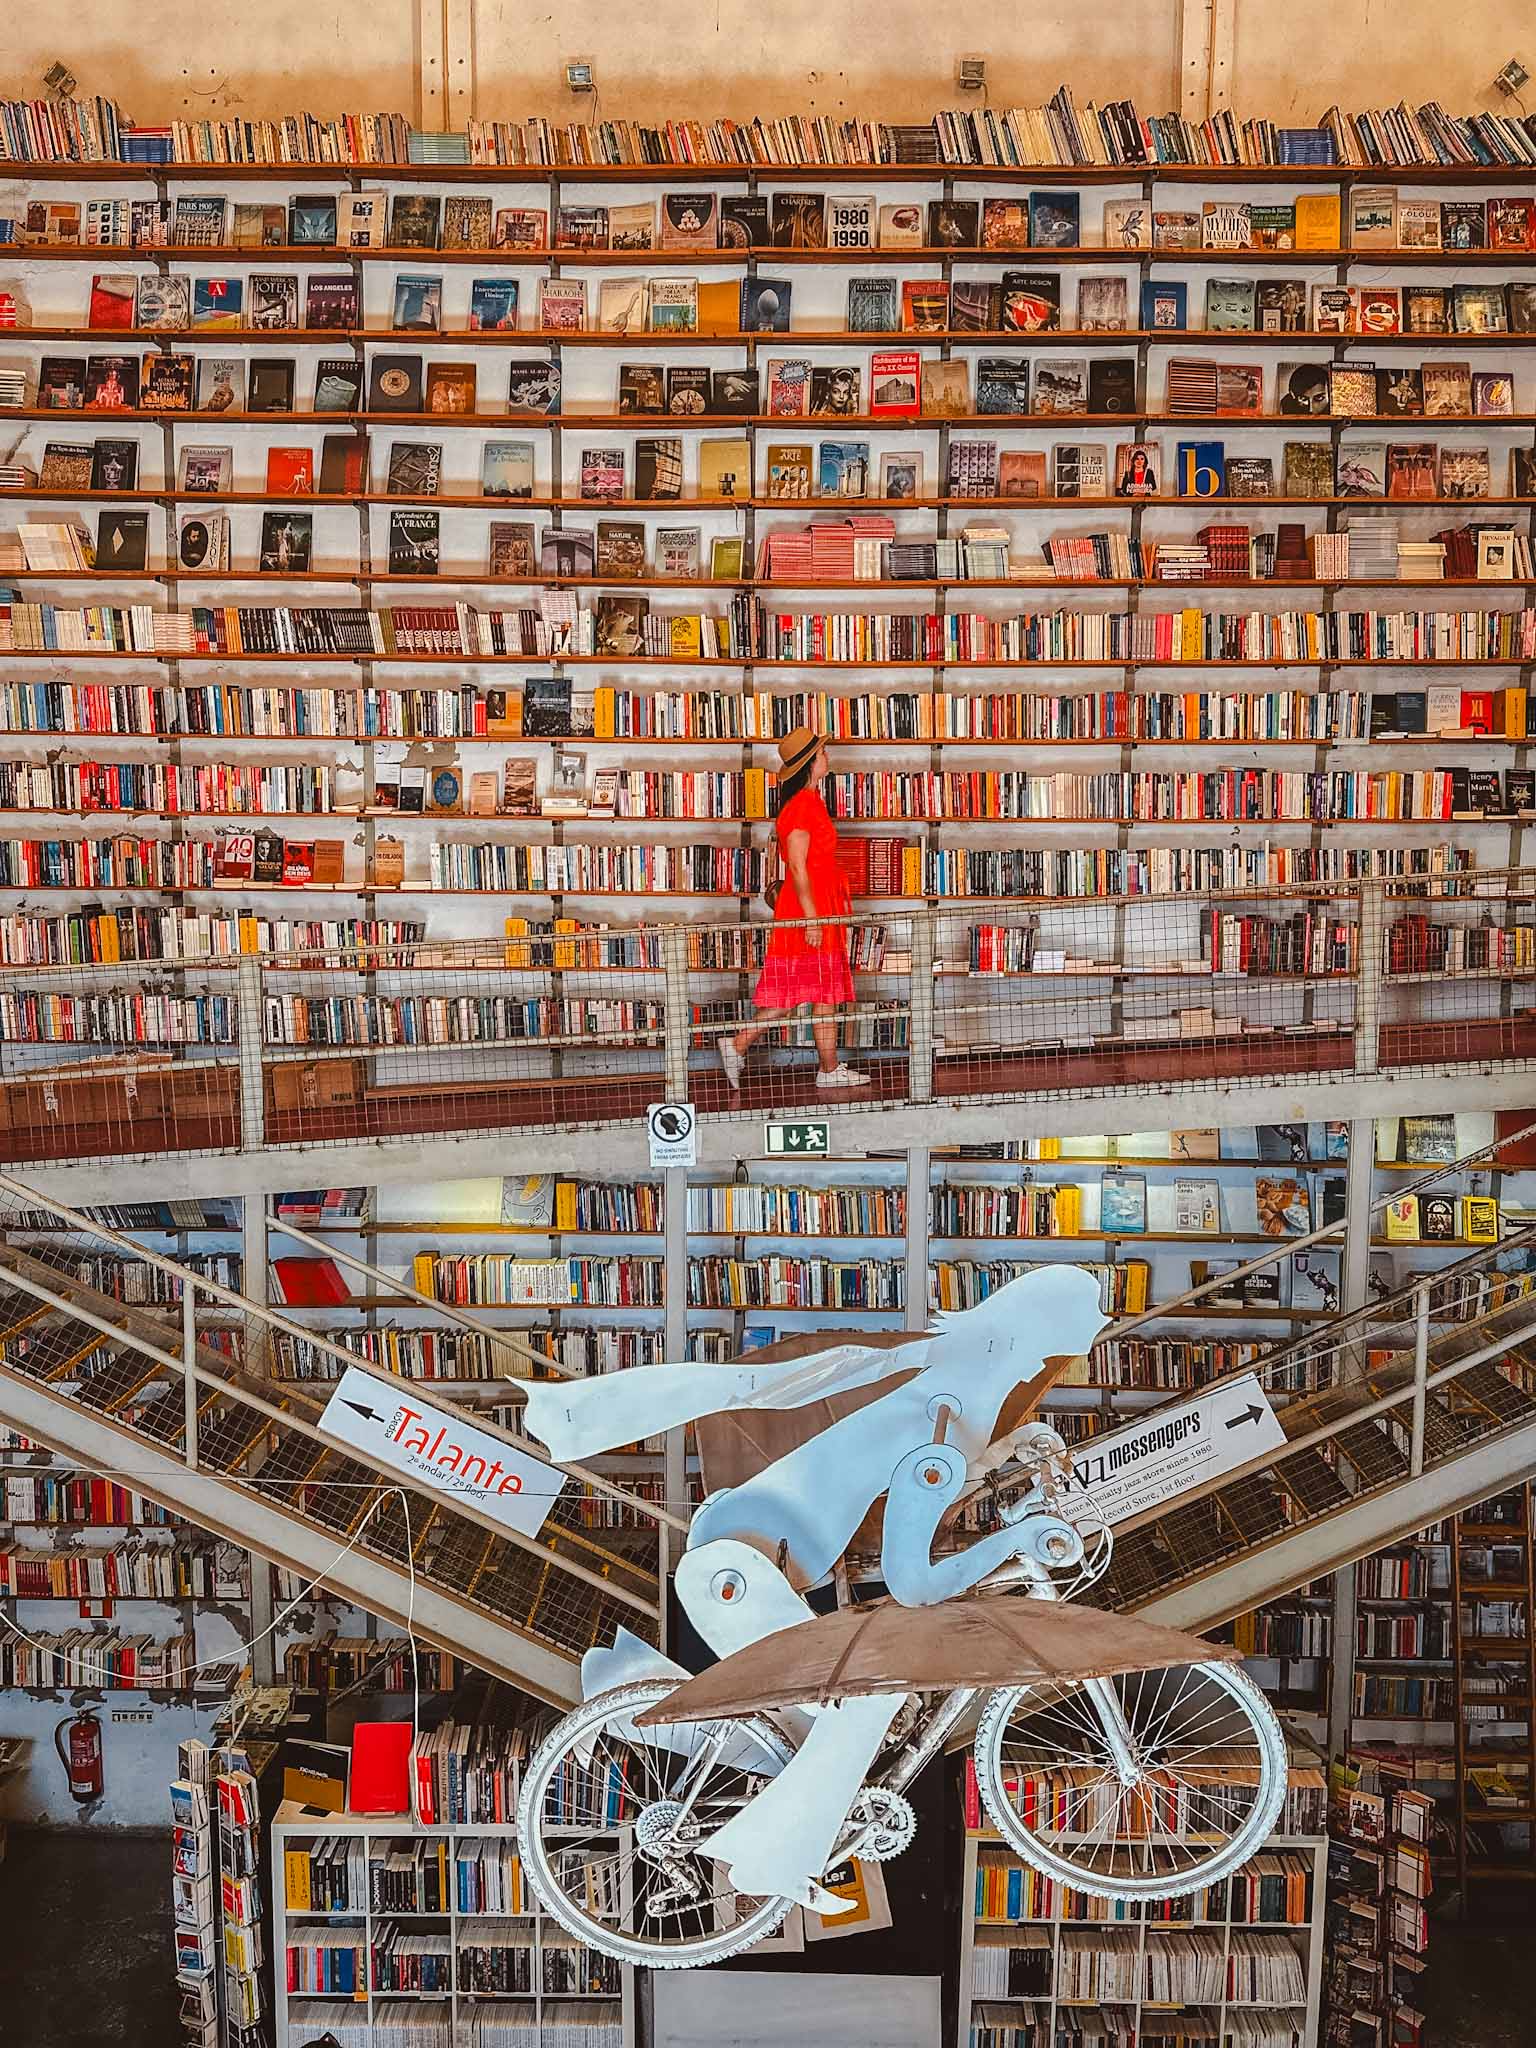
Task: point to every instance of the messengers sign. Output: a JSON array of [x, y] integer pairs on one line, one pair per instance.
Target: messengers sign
[[441, 1450], [1178, 1449]]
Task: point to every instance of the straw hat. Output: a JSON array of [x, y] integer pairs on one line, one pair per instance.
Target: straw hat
[[796, 748]]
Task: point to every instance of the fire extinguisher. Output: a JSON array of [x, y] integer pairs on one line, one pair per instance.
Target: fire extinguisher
[[82, 1758]]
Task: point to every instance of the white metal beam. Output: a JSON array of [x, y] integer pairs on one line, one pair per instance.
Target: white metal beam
[[614, 1150], [264, 1526]]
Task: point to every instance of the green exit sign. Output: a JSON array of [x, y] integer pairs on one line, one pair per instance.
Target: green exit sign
[[804, 1141]]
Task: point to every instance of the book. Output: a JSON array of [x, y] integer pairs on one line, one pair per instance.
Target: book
[[1123, 1204], [450, 389], [413, 542], [272, 301], [415, 220], [533, 387], [622, 305], [765, 305], [415, 469], [659, 468], [466, 222], [602, 472], [122, 541], [287, 541], [789, 470], [112, 300], [506, 469], [395, 383], [690, 220], [418, 303], [673, 304], [677, 552], [725, 469], [202, 541], [562, 304], [290, 471], [328, 302], [512, 552], [798, 220], [312, 220], [270, 388], [894, 382], [338, 384], [493, 305], [111, 384], [1103, 304]]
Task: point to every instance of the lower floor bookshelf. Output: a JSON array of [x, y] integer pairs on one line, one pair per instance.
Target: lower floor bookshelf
[[1237, 1965], [387, 1930]]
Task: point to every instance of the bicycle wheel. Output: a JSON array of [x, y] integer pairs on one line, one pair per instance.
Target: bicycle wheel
[[609, 1822], [1137, 1787]]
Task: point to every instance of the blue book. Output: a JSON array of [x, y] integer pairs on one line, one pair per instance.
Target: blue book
[[1165, 304], [1202, 469], [493, 304], [1054, 220]]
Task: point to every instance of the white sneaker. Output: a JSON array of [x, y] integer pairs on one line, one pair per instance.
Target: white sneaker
[[842, 1076], [733, 1063]]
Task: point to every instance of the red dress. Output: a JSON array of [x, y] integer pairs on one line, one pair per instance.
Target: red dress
[[796, 970]]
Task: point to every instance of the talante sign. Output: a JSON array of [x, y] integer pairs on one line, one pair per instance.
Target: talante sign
[[440, 1450]]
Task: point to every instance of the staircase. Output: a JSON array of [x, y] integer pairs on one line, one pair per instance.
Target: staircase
[[1395, 1415], [165, 1391]]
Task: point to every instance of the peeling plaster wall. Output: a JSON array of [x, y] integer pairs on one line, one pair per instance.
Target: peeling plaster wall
[[889, 57]]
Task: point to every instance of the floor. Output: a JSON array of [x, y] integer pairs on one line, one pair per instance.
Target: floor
[[1479, 1987], [85, 1956]]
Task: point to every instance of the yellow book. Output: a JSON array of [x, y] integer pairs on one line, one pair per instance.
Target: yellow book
[[515, 929], [1480, 1219], [912, 871], [1067, 1211], [719, 306], [603, 699], [1136, 1272], [755, 792], [1048, 1148], [423, 1269], [1192, 634], [1403, 1219], [1516, 711], [565, 1205], [565, 951], [110, 940], [249, 934], [296, 1893], [1317, 220], [687, 637]]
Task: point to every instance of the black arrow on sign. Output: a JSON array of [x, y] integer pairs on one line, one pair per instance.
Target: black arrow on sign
[[1252, 1413], [373, 1415]]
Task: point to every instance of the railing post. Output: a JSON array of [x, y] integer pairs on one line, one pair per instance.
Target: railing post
[[249, 1036], [920, 1010], [189, 1372], [1420, 1376], [1373, 936], [677, 1022]]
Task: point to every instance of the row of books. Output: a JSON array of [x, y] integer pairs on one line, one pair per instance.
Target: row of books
[[129, 1571], [116, 1017], [1378, 218], [1285, 1632], [656, 471], [167, 789], [226, 710], [750, 630], [105, 1661], [141, 932], [457, 1020], [1408, 1636], [759, 1209], [75, 1499], [1054, 133]]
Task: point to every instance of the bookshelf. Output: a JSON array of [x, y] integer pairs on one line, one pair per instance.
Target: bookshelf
[[1494, 1719], [1037, 1962], [367, 703], [454, 1954]]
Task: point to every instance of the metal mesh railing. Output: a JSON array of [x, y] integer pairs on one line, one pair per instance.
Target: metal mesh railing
[[171, 1353], [962, 1000]]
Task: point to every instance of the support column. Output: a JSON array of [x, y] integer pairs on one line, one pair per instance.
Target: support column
[[675, 1349], [916, 1315], [1354, 1292], [253, 1285]]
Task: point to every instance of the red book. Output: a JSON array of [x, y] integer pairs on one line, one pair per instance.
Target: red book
[[313, 1283], [291, 471], [381, 1767]]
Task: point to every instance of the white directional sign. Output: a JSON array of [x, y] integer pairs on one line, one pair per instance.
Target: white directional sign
[[1152, 1461], [440, 1450], [673, 1129]]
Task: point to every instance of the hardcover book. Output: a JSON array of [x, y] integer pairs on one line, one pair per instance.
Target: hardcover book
[[506, 469], [312, 220], [466, 222], [415, 221], [418, 304], [765, 305], [725, 469], [413, 542], [415, 469], [533, 387], [521, 227], [331, 302], [690, 220], [850, 221], [493, 305], [798, 220], [901, 226]]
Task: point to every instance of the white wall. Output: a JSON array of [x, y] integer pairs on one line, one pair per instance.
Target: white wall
[[886, 57]]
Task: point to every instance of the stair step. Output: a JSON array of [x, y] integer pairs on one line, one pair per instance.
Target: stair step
[[1254, 1507], [1492, 1391], [1448, 1433], [1196, 1535], [229, 1435], [1311, 1482], [1374, 1456]]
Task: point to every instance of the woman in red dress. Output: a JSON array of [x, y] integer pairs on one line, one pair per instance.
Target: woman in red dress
[[806, 963]]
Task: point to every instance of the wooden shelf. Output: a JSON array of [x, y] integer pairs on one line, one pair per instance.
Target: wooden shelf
[[345, 175], [787, 425]]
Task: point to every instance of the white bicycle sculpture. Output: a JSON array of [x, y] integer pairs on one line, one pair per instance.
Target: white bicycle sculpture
[[678, 1843]]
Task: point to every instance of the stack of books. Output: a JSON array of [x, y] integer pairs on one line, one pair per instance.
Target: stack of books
[[1421, 561], [1372, 548], [58, 546], [984, 552], [1229, 549], [1183, 561]]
